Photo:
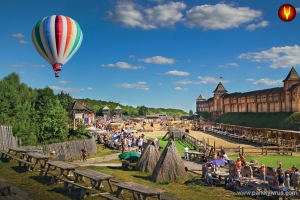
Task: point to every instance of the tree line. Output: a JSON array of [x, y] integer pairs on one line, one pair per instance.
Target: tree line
[[38, 116]]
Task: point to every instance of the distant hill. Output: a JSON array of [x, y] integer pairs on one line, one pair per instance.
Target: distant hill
[[278, 120], [98, 105]]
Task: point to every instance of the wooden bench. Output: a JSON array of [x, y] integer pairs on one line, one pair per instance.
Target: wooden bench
[[54, 177], [27, 164], [83, 191], [108, 196], [7, 155]]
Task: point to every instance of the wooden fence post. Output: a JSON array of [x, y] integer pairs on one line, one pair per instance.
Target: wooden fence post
[[242, 150]]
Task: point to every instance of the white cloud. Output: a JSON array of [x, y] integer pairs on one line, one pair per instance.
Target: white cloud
[[279, 57], [14, 65], [123, 65], [186, 82], [131, 56], [58, 88], [159, 84], [157, 1], [137, 86], [258, 67], [211, 80], [22, 72], [233, 64], [23, 41], [297, 9], [228, 65], [220, 16], [17, 35], [64, 82], [250, 79], [252, 27], [178, 88], [89, 88], [158, 60], [133, 15], [38, 66], [177, 73], [267, 81]]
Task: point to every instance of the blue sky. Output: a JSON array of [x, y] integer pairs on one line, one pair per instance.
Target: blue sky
[[155, 53]]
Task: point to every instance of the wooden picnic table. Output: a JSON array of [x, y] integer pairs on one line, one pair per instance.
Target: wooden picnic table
[[95, 177], [5, 187], [38, 159], [19, 151], [139, 189], [63, 166], [194, 155]]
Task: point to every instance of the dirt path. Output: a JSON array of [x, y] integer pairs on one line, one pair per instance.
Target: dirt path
[[200, 135]]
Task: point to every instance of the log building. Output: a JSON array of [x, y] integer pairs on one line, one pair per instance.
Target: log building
[[279, 99]]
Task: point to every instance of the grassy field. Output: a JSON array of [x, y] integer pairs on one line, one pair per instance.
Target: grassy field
[[38, 188], [193, 189], [271, 160]]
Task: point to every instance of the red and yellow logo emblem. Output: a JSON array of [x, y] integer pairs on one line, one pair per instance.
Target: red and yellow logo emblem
[[287, 12]]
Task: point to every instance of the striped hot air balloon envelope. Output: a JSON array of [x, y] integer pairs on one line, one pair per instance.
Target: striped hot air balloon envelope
[[56, 39]]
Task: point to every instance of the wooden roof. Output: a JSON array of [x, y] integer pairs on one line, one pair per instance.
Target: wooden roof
[[220, 88], [293, 75], [200, 98], [76, 106]]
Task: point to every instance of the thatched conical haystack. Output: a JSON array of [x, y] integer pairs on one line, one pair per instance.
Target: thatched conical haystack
[[170, 166], [149, 158]]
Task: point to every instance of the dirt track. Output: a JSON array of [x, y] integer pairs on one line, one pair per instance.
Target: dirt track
[[200, 135]]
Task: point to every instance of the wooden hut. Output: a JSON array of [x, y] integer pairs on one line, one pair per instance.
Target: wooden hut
[[149, 157], [170, 166]]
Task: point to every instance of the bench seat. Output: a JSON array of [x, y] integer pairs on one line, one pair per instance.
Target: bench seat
[[54, 177], [27, 164], [7, 155], [108, 196], [84, 189]]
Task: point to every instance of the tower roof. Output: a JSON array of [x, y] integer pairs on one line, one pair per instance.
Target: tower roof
[[200, 98], [105, 108], [220, 88], [118, 108], [293, 75]]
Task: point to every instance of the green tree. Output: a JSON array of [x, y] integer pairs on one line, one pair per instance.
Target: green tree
[[51, 117], [191, 113], [142, 110]]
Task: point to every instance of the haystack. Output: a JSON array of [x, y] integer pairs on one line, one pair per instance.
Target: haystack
[[149, 157], [170, 166]]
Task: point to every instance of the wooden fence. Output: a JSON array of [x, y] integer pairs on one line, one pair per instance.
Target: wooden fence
[[209, 146], [7, 139], [63, 150]]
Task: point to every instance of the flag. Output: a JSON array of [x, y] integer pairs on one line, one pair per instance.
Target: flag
[[221, 77]]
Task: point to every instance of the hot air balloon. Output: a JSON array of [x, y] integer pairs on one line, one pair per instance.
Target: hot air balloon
[[56, 39]]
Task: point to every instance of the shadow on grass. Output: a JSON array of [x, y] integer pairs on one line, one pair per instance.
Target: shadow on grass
[[195, 181], [19, 169], [41, 179], [70, 193], [147, 178]]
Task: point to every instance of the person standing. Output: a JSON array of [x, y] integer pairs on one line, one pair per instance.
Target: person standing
[[186, 153], [280, 174], [295, 179], [84, 153], [262, 173]]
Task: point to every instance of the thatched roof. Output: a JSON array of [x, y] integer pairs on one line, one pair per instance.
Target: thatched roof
[[149, 157], [76, 106], [170, 166]]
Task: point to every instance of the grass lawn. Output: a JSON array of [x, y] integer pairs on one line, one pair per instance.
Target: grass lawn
[[38, 188], [271, 160]]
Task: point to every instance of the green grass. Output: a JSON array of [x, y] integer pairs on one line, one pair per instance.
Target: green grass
[[178, 143], [271, 160], [258, 120], [38, 188]]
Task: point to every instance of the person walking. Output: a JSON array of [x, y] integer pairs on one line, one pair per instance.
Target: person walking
[[84, 153], [186, 153]]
